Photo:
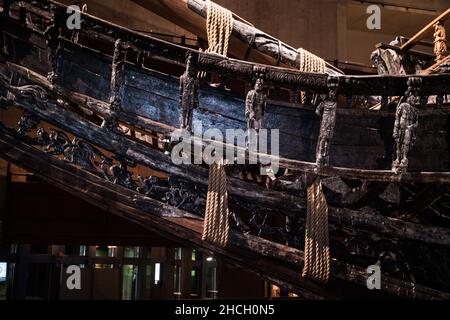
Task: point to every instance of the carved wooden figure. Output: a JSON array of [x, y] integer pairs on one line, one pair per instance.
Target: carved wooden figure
[[327, 110], [440, 41], [255, 107], [116, 85], [406, 122], [53, 40], [188, 93]]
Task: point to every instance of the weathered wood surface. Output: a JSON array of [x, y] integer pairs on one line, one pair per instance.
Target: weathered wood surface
[[241, 191], [349, 85], [361, 142], [191, 15], [142, 122], [119, 144], [273, 261], [363, 139]]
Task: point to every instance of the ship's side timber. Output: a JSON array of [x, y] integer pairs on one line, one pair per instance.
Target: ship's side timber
[[284, 203], [78, 113], [272, 261], [363, 139]]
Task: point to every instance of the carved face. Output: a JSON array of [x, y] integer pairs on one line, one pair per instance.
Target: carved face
[[189, 68], [259, 85]]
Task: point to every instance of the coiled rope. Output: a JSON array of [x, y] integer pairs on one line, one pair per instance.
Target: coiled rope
[[219, 25], [216, 228], [317, 250], [309, 62]]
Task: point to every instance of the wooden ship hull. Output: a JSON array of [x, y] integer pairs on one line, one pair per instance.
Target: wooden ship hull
[[58, 85]]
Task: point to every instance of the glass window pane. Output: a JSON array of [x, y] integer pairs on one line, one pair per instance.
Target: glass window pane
[[178, 254], [84, 251], [177, 282], [211, 283], [131, 252], [3, 280], [129, 282], [158, 275], [106, 251], [196, 255], [104, 266], [75, 251], [195, 282]]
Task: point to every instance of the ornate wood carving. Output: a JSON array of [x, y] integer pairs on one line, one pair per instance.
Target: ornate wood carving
[[189, 85], [255, 104], [116, 86], [406, 123], [54, 43], [327, 110]]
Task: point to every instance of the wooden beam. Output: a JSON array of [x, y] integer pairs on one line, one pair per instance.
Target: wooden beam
[[240, 190], [434, 69], [422, 33], [102, 108], [191, 15], [419, 54], [273, 261]]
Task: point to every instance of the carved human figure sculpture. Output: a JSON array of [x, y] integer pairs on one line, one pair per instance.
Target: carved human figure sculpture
[[255, 106], [440, 41], [326, 110], [406, 122], [188, 94]]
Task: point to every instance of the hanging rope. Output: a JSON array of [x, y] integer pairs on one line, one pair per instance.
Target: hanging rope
[[216, 228], [219, 25], [309, 62], [317, 250]]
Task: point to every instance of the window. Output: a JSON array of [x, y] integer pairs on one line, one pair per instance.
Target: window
[[104, 266], [195, 282], [106, 251], [129, 282], [196, 255], [177, 282], [211, 283], [211, 277], [76, 251], [84, 250], [131, 252], [178, 254], [3, 280], [158, 275]]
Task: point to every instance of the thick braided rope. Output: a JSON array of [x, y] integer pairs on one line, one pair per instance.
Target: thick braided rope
[[317, 251], [309, 62], [219, 25], [216, 227]]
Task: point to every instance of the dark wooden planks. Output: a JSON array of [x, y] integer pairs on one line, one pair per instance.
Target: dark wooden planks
[[273, 261]]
